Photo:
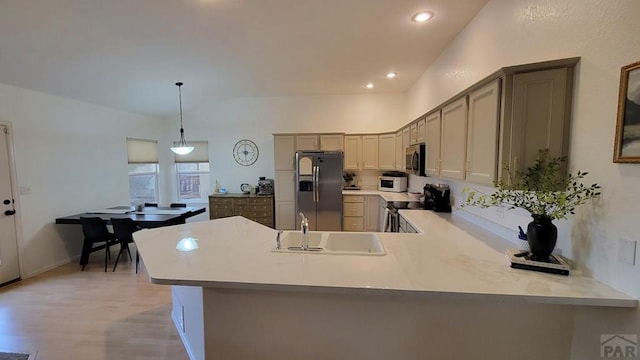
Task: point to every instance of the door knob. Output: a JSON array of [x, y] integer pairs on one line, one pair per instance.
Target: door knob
[[9, 212]]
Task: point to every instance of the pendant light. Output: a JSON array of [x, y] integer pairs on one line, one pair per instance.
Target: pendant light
[[182, 148]]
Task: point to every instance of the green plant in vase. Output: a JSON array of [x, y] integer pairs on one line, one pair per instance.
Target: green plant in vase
[[545, 191]]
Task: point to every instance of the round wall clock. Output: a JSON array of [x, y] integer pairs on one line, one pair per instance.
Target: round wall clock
[[245, 152]]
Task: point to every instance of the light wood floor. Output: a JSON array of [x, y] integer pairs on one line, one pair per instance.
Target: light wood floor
[[91, 315]]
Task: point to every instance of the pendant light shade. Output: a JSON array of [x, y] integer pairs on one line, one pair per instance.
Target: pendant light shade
[[182, 148]]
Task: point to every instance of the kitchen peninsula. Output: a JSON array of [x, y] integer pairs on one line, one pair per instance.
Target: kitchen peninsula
[[439, 294]]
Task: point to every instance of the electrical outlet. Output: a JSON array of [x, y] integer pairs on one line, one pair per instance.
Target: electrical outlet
[[25, 190], [627, 251], [500, 212]]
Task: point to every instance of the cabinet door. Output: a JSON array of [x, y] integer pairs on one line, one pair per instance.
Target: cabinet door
[[400, 152], [307, 142], [432, 166], [413, 131], [332, 142], [539, 117], [285, 216], [406, 137], [284, 152], [453, 139], [285, 186], [387, 152], [371, 213], [370, 152], [422, 131], [382, 214], [352, 149], [482, 134]]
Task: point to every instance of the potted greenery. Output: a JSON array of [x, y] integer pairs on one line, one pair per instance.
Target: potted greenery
[[545, 191]]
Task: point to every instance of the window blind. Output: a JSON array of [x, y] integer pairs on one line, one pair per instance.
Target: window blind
[[199, 154], [141, 151]]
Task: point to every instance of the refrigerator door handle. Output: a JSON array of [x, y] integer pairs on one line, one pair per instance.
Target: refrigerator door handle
[[317, 188], [314, 184]]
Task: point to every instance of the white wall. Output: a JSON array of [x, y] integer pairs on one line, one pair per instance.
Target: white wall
[[605, 34], [223, 123], [73, 155]]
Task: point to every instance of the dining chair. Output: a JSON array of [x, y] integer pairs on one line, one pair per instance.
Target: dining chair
[[123, 229], [96, 237], [150, 204], [178, 205]]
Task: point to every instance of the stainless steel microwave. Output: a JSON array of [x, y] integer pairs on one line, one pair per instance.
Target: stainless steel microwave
[[415, 160]]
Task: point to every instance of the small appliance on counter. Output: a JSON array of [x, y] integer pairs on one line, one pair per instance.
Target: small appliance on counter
[[265, 186], [393, 181], [437, 197]]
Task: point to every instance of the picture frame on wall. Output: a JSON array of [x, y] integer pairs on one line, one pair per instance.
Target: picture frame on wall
[[627, 142]]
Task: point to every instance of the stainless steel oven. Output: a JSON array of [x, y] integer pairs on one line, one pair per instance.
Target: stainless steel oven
[[415, 159]]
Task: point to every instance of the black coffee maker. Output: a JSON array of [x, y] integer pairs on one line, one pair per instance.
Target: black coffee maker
[[437, 197]]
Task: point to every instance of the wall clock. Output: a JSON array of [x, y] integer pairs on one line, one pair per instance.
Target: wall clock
[[245, 152]]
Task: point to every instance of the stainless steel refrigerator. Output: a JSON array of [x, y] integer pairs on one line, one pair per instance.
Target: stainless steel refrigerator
[[319, 189]]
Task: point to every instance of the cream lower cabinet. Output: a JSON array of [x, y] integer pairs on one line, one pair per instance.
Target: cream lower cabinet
[[387, 152], [360, 213], [453, 139], [353, 213], [482, 134], [371, 211]]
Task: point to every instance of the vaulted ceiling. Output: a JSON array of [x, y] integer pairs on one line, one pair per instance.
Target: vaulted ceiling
[[127, 54]]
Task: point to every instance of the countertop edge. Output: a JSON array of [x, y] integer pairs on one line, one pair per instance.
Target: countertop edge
[[423, 294]]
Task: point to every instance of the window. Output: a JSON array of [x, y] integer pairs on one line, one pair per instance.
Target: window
[[143, 182], [193, 181], [143, 170], [193, 173]]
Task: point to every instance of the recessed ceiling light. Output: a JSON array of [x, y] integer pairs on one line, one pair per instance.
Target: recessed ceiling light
[[422, 16], [390, 75], [369, 86]]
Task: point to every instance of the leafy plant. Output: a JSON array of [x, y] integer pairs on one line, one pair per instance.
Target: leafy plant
[[543, 189]]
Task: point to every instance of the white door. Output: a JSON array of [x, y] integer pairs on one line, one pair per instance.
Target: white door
[[9, 269]]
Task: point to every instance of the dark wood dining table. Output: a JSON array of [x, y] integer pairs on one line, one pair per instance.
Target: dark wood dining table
[[149, 217]]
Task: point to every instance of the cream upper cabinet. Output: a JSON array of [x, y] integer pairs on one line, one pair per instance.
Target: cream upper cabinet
[[284, 152], [387, 151], [406, 136], [413, 131], [400, 152], [370, 152], [539, 117], [453, 139], [422, 131], [432, 166], [482, 134], [307, 142], [332, 142], [352, 152]]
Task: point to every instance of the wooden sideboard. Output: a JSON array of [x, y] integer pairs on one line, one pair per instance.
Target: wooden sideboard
[[258, 208]]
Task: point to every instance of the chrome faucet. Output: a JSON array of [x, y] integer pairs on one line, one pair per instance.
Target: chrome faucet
[[278, 243], [304, 228]]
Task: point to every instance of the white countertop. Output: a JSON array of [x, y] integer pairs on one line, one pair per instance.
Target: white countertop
[[444, 261], [385, 195]]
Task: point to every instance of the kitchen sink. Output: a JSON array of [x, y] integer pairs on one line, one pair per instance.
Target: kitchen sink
[[333, 243]]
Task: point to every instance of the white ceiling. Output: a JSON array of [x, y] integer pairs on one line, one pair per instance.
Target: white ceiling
[[127, 54]]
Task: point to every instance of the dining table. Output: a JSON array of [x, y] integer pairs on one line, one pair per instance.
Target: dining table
[[148, 217]]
